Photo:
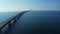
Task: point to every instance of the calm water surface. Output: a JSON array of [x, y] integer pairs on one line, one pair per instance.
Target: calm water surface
[[41, 22], [36, 22]]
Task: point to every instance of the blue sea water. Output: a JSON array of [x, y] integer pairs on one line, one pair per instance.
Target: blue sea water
[[36, 21], [6, 15]]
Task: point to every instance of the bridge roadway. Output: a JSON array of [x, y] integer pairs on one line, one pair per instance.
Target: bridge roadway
[[37, 23]]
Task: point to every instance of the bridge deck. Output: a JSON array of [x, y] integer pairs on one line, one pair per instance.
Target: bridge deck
[[36, 23]]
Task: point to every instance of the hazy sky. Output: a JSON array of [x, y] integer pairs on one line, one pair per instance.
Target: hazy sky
[[16, 5]]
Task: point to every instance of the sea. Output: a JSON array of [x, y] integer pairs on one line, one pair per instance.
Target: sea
[[34, 21]]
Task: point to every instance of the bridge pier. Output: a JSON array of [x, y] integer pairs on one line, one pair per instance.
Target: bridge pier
[[15, 19], [9, 25], [0, 31]]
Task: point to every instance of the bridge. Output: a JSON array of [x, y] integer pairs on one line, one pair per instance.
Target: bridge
[[29, 22]]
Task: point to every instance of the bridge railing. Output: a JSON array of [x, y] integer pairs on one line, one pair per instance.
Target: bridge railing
[[8, 21]]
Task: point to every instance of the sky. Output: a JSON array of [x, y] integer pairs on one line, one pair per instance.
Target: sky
[[21, 5]]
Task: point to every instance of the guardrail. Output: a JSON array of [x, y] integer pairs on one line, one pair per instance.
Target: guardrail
[[8, 21]]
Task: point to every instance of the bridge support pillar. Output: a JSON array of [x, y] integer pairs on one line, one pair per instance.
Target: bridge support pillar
[[9, 25], [0, 31], [14, 20]]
